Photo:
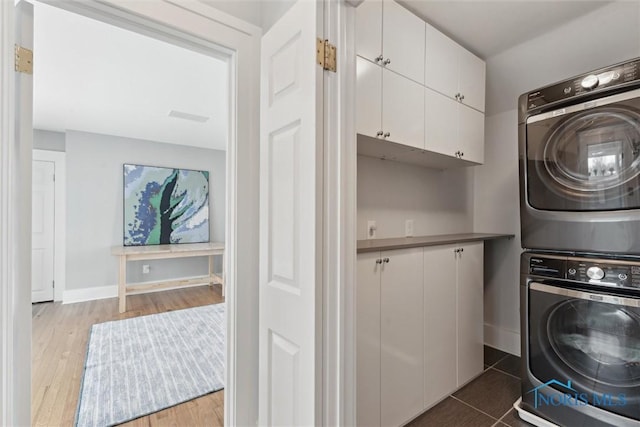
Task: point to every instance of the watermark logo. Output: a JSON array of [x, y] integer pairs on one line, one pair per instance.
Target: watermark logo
[[557, 393]]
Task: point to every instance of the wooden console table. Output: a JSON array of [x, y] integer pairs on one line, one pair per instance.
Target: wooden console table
[[138, 253]]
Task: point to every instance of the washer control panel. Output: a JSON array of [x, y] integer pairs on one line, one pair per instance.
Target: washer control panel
[[594, 271], [625, 274]]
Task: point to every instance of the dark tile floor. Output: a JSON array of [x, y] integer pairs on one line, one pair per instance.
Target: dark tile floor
[[486, 401]]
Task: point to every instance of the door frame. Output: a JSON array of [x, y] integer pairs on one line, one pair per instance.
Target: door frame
[[59, 160], [195, 24]]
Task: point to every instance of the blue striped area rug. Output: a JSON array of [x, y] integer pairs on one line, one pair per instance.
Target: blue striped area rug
[[138, 366]]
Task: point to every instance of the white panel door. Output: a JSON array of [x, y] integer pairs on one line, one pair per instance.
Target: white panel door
[[470, 312], [441, 62], [368, 340], [441, 123], [472, 79], [402, 334], [290, 220], [368, 98], [471, 134], [440, 323], [42, 228], [369, 30], [402, 110]]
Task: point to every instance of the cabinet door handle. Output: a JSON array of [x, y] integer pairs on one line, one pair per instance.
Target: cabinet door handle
[[461, 97], [461, 153], [379, 58], [379, 133], [387, 135], [457, 153], [461, 249], [457, 96], [378, 261], [386, 260], [387, 61]]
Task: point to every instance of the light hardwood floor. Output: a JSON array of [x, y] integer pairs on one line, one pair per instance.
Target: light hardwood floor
[[59, 344]]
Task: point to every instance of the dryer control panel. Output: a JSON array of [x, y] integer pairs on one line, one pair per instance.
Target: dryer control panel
[[609, 77]]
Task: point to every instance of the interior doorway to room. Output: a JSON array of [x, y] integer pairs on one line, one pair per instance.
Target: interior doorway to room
[[141, 124]]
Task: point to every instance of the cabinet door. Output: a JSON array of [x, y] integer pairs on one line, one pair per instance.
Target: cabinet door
[[471, 134], [402, 334], [402, 109], [441, 123], [369, 29], [470, 312], [368, 340], [368, 98], [440, 370], [403, 41], [441, 62], [472, 79]]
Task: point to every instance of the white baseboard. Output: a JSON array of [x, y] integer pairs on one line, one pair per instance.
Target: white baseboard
[[71, 296], [502, 339], [101, 292]]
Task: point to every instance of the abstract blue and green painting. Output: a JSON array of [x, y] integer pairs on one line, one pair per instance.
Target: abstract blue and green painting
[[165, 206]]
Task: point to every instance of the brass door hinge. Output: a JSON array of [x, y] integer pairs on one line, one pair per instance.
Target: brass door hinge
[[23, 60], [326, 55]]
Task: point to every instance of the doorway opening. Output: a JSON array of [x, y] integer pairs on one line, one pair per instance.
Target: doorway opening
[[124, 109]]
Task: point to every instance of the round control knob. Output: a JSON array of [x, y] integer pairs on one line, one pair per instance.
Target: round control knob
[[622, 276], [572, 271], [595, 273], [590, 82]]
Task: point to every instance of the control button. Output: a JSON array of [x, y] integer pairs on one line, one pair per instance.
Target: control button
[[572, 271], [622, 276], [595, 273], [590, 82]]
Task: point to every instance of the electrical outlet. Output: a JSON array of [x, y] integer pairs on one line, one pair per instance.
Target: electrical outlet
[[408, 228], [371, 229], [145, 269]]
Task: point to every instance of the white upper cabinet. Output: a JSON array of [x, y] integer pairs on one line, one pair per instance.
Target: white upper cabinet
[[369, 30], [419, 93], [441, 63], [368, 98], [391, 36], [403, 41], [453, 71], [453, 129], [390, 107], [402, 110], [471, 134], [472, 79]]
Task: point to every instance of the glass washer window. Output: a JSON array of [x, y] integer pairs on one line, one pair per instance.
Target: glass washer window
[[600, 341]]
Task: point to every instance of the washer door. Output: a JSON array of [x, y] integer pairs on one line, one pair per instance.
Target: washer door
[[599, 341], [586, 161], [588, 340]]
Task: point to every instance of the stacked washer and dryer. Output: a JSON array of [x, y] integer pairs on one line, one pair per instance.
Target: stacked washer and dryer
[[579, 150]]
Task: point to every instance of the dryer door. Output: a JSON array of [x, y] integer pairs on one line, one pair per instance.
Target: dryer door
[[586, 157]]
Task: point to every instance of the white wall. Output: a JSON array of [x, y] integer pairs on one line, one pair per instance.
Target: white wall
[[94, 205], [608, 35], [48, 140], [262, 13], [439, 202]]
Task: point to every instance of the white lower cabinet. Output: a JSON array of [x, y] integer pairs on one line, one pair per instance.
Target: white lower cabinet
[[419, 329], [440, 346], [470, 309], [389, 330]]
